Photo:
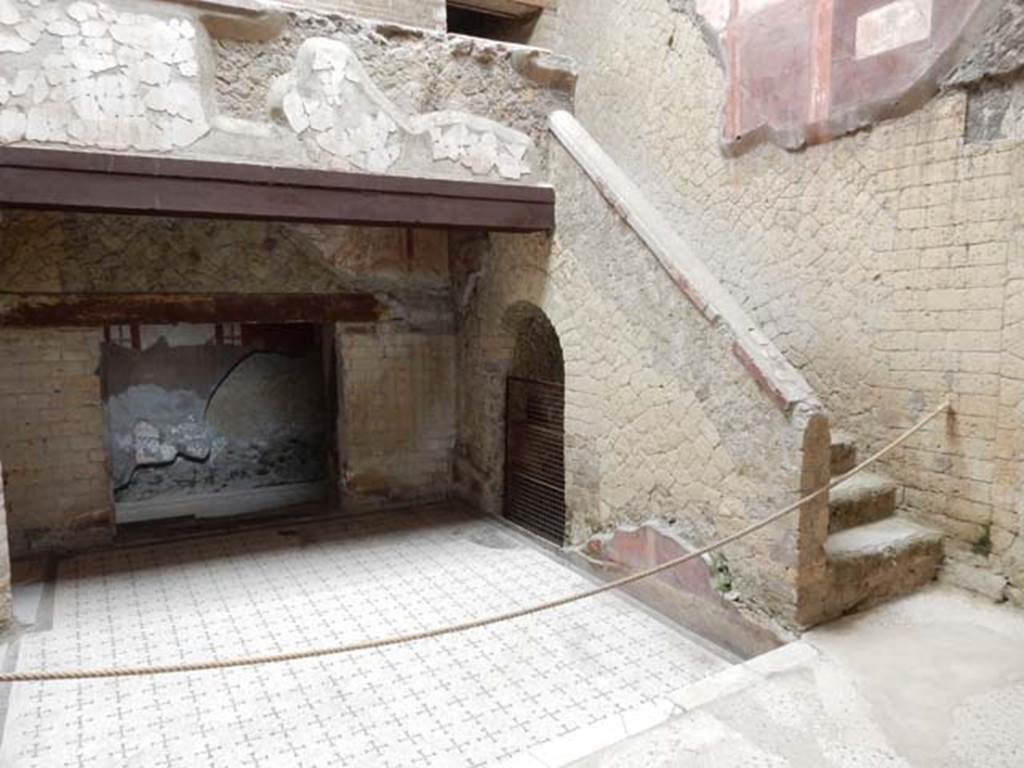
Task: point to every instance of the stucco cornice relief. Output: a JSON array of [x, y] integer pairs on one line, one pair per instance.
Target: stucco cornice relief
[[94, 75], [333, 105]]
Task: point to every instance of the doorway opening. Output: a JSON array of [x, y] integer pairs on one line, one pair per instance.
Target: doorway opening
[[217, 420], [535, 427], [505, 22]]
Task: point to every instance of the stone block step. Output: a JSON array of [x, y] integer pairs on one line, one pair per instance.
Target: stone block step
[[872, 562], [864, 498], [844, 453]]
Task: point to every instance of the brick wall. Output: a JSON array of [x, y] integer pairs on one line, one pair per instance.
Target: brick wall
[[51, 436], [398, 395]]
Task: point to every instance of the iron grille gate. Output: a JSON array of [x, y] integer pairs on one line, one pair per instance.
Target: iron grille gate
[[535, 456]]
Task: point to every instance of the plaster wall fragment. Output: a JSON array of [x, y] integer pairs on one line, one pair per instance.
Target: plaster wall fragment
[[893, 26], [330, 102], [93, 75]]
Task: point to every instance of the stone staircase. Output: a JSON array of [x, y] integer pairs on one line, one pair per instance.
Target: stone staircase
[[872, 552]]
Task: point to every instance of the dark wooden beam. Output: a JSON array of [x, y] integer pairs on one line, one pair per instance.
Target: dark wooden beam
[[131, 184], [508, 9], [93, 310]]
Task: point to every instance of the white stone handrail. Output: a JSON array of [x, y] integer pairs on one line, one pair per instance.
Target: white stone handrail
[[758, 354]]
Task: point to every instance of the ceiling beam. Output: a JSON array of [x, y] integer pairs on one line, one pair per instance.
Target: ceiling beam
[[157, 186]]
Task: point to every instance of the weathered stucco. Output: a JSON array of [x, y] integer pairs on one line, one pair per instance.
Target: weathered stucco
[[166, 78], [884, 265]]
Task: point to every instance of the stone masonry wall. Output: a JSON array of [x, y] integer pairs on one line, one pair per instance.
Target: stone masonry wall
[[52, 437], [886, 265], [399, 401], [50, 252], [661, 419]]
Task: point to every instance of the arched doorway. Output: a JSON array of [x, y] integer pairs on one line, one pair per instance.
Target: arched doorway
[[535, 426]]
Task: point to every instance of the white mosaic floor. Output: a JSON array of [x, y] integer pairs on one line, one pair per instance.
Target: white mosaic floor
[[465, 700]]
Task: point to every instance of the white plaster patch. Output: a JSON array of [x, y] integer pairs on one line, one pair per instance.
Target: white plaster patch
[[40, 89], [295, 112], [47, 122], [893, 26], [120, 81], [62, 28], [8, 13], [12, 125], [22, 81], [153, 72], [185, 132], [750, 7], [717, 13], [714, 12], [158, 39], [321, 116], [30, 31], [83, 11], [12, 42], [94, 28]]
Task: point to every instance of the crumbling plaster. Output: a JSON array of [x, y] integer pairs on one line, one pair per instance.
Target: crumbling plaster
[[91, 74], [330, 103], [884, 265], [998, 52], [196, 417], [150, 77], [418, 70]]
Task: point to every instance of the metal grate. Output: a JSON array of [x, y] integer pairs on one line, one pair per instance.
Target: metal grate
[[535, 457]]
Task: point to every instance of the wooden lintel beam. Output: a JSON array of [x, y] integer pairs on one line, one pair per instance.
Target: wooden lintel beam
[[99, 309], [125, 184]]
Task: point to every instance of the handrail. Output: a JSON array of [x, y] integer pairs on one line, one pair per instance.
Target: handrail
[[758, 354]]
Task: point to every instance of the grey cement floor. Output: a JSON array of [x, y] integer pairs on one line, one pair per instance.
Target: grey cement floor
[[934, 680], [541, 691]]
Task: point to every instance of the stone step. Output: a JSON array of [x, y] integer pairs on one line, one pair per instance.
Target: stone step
[[844, 453], [872, 562], [864, 498]]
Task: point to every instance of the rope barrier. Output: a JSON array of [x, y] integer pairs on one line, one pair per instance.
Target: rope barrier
[[366, 645]]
